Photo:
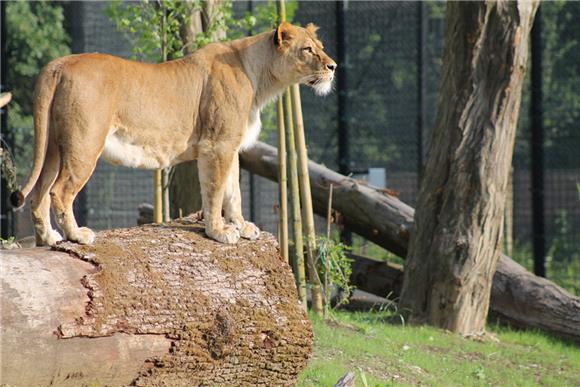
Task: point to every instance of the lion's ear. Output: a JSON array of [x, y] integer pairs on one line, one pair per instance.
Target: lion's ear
[[283, 34], [312, 28]]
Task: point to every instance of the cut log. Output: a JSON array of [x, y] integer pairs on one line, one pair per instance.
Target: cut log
[[526, 300], [518, 297], [151, 305]]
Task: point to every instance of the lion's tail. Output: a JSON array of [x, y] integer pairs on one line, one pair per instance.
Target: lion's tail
[[43, 97]]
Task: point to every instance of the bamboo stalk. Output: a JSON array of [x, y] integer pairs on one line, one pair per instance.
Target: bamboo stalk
[[158, 175], [283, 181], [329, 212], [157, 197], [326, 264], [165, 186], [298, 258], [306, 198], [282, 172], [281, 10]]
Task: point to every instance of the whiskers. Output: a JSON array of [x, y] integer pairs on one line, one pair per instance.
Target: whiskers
[[320, 82]]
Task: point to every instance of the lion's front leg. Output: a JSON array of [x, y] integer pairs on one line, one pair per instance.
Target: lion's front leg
[[215, 163], [233, 204]]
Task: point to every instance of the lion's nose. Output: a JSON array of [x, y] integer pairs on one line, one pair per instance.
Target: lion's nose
[[331, 66]]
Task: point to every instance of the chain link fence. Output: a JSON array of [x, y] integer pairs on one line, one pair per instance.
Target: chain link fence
[[383, 112]]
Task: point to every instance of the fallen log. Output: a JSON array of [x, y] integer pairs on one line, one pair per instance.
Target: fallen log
[[516, 293], [381, 278], [151, 305], [517, 297]]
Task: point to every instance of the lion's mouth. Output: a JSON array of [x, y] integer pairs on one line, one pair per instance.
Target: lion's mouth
[[321, 86]]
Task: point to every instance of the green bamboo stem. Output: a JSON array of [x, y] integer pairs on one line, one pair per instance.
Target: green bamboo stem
[[159, 176], [282, 166], [281, 4], [326, 263], [306, 199], [298, 258], [283, 181], [165, 173], [157, 197]]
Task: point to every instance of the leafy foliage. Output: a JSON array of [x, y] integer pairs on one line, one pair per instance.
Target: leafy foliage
[[334, 267], [37, 36], [147, 23]]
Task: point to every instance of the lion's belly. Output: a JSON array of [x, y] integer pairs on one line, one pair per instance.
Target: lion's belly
[[120, 151]]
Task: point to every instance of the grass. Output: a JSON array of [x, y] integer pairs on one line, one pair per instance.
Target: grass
[[383, 354]]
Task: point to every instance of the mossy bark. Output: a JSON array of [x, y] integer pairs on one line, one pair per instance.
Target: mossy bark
[[203, 313]]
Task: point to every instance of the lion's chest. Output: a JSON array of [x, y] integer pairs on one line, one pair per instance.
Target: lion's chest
[[252, 131]]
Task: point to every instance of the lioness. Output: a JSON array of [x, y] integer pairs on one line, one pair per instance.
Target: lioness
[[205, 106]]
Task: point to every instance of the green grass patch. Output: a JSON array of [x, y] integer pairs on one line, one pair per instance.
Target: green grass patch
[[386, 354]]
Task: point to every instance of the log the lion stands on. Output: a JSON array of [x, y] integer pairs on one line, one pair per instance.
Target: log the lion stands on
[[205, 106]]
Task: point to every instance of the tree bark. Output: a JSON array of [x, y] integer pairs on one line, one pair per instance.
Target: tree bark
[[385, 220], [151, 305], [458, 223]]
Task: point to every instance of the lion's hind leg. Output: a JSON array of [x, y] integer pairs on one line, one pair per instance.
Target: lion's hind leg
[[233, 204], [40, 201], [77, 166]]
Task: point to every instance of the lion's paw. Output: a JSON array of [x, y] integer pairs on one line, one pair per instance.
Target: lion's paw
[[250, 231], [228, 234], [51, 239], [83, 236]]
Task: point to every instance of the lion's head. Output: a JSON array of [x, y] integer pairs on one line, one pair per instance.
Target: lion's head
[[301, 58]]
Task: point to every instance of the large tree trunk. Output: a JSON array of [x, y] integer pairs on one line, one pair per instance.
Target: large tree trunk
[[387, 221], [151, 305], [458, 222]]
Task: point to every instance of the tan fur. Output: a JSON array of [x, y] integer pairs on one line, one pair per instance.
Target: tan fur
[[157, 115]]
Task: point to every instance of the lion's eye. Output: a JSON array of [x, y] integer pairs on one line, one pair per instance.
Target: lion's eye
[[308, 50]]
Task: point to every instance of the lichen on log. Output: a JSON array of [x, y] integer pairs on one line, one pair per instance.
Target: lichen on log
[[231, 312]]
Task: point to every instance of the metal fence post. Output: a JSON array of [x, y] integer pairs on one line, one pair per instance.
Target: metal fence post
[[342, 87], [421, 83], [537, 150]]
